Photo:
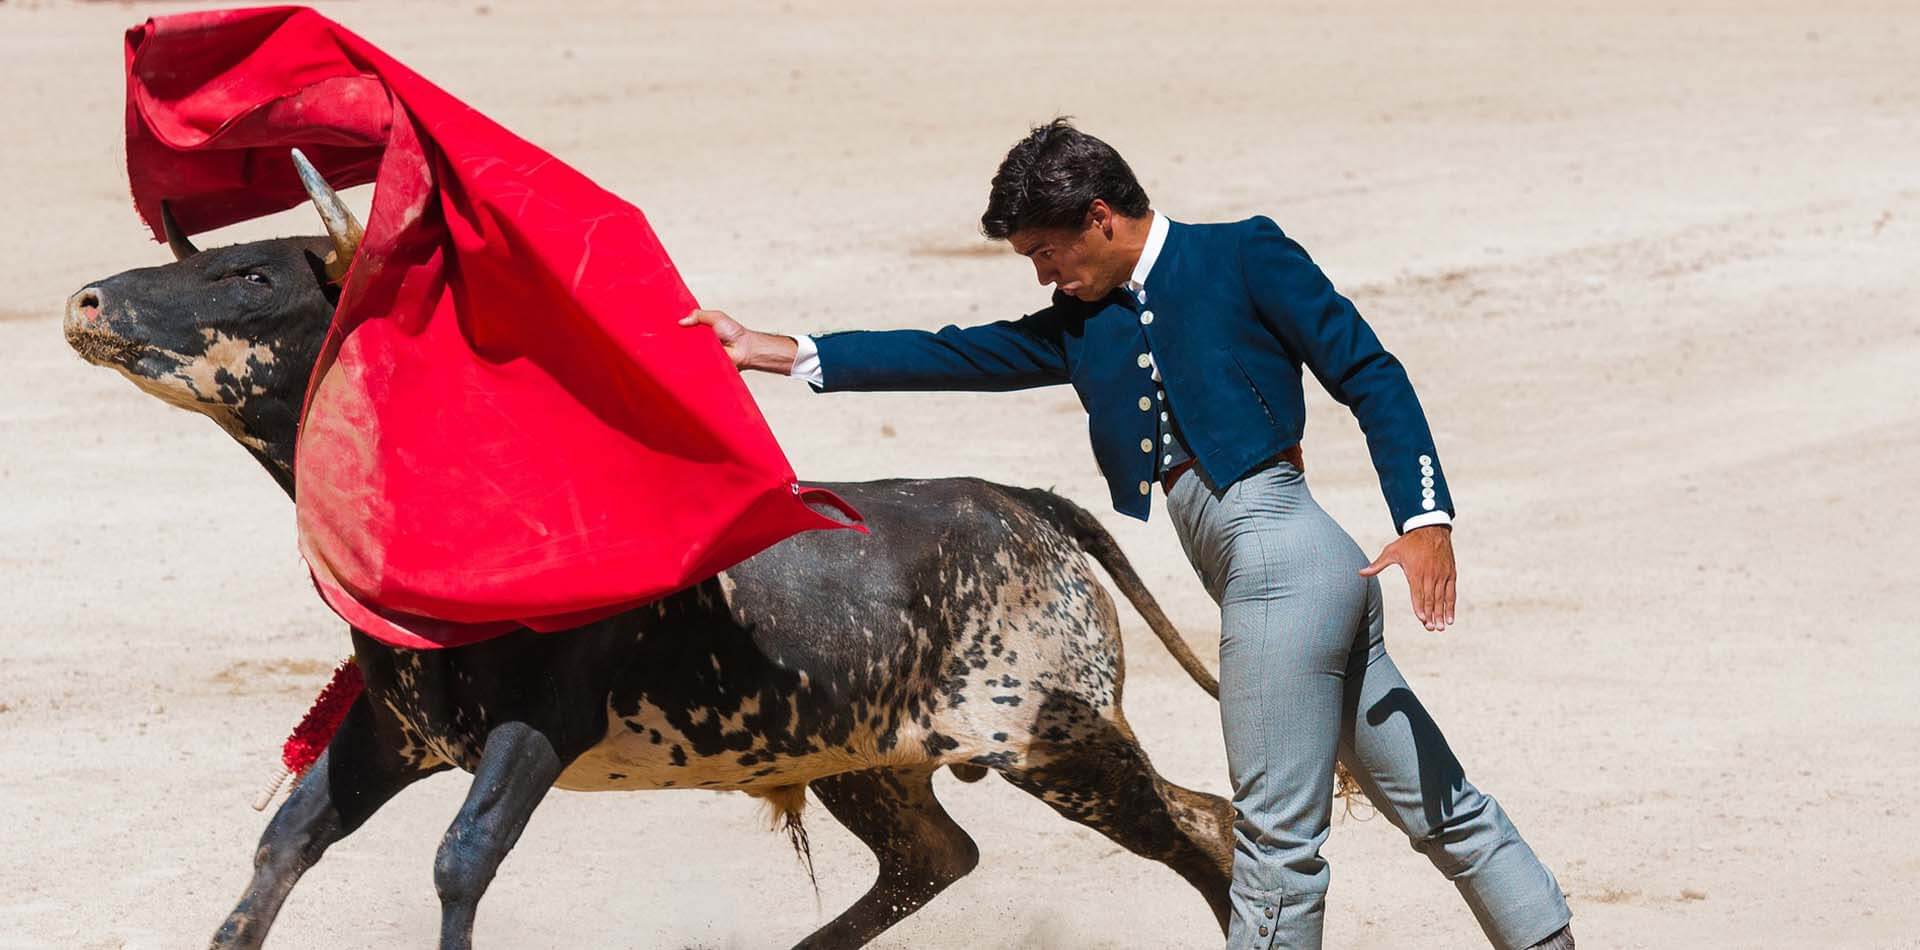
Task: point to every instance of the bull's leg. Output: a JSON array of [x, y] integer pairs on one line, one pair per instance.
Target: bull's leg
[[919, 848], [349, 782], [517, 766], [1101, 778]]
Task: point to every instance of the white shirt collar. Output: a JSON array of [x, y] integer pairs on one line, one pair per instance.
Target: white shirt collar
[[1156, 239]]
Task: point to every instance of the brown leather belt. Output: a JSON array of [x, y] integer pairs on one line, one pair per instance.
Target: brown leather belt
[[1291, 455], [1173, 475]]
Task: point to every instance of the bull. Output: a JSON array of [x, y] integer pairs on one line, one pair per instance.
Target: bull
[[973, 636]]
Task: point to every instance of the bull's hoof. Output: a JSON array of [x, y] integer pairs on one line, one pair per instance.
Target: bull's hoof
[[235, 932]]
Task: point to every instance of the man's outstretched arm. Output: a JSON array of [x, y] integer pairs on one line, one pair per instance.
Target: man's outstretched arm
[[750, 349], [990, 357]]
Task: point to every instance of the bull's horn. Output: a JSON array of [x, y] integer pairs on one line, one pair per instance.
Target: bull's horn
[[341, 225], [176, 238]]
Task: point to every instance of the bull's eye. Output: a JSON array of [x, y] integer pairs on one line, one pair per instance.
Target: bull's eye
[[252, 277]]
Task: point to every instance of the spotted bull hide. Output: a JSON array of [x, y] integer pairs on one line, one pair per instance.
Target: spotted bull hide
[[966, 631]]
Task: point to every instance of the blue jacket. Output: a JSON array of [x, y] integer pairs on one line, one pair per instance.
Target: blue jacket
[[1237, 310]]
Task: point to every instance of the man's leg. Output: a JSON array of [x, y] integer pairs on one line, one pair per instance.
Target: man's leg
[[1291, 607], [1396, 752]]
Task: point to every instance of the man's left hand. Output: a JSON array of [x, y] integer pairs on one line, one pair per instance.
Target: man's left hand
[[1426, 555]]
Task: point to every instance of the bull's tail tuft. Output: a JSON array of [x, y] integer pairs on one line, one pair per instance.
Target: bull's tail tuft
[[1095, 540], [786, 808]]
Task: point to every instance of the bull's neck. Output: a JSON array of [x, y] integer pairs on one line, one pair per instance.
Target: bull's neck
[[280, 467], [268, 434]]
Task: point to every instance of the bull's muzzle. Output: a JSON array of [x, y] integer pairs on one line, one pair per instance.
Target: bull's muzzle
[[87, 331], [83, 313]]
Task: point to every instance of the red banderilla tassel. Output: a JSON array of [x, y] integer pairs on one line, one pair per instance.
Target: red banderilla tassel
[[316, 728]]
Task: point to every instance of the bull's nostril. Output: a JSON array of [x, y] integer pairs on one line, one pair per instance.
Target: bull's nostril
[[88, 333], [82, 320], [84, 307]]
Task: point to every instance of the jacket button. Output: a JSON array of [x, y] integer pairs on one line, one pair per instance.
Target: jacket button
[[1426, 460], [1167, 439], [1269, 913], [1145, 488], [1167, 461], [1263, 930], [1146, 445], [1145, 404], [1146, 318], [1144, 361], [1426, 504]]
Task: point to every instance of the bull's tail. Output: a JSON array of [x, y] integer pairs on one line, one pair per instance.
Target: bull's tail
[[785, 806], [1095, 540]]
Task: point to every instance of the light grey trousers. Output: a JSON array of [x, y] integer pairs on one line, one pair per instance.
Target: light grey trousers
[[1305, 677]]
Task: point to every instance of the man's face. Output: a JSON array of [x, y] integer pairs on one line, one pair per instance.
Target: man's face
[[1081, 263]]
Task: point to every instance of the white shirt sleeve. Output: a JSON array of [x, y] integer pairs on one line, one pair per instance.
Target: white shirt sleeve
[[1423, 519], [806, 363]]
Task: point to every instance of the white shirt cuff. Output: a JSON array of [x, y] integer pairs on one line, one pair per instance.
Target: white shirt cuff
[[806, 363], [1426, 518]]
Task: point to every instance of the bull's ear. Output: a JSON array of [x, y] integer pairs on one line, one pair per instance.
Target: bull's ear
[[318, 265]]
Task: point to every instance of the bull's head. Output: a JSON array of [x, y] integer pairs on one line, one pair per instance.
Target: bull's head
[[231, 333]]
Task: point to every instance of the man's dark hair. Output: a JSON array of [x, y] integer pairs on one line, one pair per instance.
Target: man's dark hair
[[1050, 178]]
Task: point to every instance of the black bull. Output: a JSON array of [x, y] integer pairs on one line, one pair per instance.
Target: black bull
[[966, 631]]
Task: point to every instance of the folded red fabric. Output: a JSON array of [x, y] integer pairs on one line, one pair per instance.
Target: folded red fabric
[[507, 426]]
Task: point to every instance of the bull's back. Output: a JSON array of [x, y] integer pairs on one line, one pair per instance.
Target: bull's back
[[950, 622], [934, 550]]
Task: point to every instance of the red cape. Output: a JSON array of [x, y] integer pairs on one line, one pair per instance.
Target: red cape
[[506, 427]]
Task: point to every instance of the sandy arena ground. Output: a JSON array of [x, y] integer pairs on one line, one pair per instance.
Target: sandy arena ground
[[1654, 275]]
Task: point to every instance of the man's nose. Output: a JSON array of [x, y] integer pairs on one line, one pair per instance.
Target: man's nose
[[1043, 274]]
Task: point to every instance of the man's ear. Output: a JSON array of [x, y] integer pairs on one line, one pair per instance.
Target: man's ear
[[1100, 216]]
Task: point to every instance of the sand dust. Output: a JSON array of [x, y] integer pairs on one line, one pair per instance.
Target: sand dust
[[1655, 277]]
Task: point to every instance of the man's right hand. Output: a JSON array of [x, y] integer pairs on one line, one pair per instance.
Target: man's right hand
[[750, 349]]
